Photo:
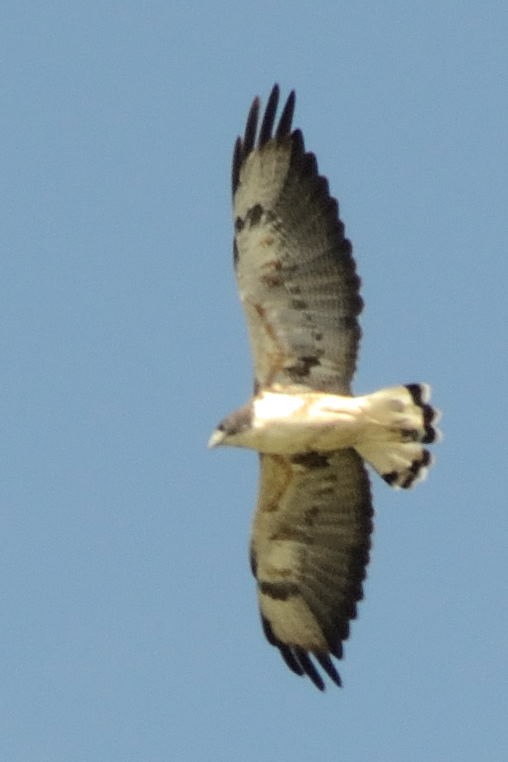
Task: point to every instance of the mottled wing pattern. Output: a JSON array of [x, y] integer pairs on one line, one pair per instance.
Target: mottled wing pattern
[[310, 549], [294, 267]]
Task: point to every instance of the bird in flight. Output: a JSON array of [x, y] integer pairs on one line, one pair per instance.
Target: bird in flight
[[298, 284]]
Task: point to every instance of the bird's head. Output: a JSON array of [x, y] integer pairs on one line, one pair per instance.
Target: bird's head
[[234, 429]]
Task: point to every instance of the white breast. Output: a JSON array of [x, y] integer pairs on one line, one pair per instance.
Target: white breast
[[288, 423]]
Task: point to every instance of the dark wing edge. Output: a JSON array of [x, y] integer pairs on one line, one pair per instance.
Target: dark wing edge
[[315, 510]]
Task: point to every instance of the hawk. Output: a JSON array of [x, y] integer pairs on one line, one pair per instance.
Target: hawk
[[300, 291]]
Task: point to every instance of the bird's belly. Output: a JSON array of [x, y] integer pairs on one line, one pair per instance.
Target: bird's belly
[[320, 422]]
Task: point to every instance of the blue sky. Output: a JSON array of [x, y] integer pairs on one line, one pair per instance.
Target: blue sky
[[129, 627]]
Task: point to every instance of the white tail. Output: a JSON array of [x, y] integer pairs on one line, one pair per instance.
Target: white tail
[[403, 421]]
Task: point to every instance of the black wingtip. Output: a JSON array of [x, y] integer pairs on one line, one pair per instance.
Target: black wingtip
[[308, 667], [244, 146], [286, 119], [265, 132], [328, 666], [237, 163], [300, 662], [290, 660], [251, 126]]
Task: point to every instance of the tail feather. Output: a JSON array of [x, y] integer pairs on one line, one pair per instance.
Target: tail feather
[[402, 422], [421, 396]]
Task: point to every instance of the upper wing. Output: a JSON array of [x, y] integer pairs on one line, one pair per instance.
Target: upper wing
[[310, 548], [294, 266]]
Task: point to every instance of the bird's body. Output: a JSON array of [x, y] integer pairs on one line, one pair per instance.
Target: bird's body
[[286, 424], [282, 423], [298, 284]]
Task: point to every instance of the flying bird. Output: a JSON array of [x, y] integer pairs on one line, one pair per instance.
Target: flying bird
[[299, 287]]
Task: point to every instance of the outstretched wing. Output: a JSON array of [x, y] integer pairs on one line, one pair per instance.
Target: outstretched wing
[[294, 267], [309, 551]]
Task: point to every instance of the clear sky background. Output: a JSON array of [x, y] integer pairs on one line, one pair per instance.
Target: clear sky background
[[129, 629]]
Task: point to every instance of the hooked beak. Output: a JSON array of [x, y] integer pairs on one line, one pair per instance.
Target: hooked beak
[[216, 439]]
